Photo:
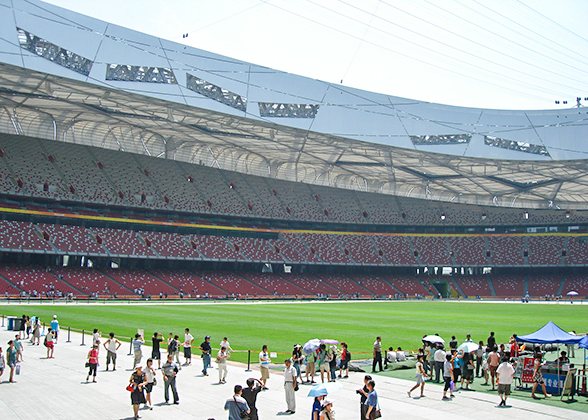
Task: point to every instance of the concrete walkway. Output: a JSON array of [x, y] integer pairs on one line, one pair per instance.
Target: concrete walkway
[[56, 389]]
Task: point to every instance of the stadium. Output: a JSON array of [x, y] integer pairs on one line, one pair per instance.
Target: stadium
[[134, 167], [146, 185]]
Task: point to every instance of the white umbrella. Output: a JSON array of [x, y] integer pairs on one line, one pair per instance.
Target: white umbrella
[[468, 347], [434, 339], [311, 346], [573, 293]]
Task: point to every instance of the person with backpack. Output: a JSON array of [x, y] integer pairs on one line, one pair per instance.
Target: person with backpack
[[173, 347], [345, 359]]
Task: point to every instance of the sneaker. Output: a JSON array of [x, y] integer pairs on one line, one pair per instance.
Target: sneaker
[[445, 398], [408, 394]]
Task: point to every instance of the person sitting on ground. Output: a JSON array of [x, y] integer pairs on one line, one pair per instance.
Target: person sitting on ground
[[390, 357], [400, 356]]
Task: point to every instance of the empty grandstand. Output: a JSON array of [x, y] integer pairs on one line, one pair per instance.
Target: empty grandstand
[[162, 177]]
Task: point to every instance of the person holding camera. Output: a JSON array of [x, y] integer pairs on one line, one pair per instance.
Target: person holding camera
[[237, 406], [363, 392]]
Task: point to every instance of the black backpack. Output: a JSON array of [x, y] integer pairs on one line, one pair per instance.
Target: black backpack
[[173, 346]]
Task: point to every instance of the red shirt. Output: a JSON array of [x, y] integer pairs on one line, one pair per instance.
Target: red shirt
[[93, 356]]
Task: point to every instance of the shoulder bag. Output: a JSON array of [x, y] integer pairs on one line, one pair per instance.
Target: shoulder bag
[[242, 413]]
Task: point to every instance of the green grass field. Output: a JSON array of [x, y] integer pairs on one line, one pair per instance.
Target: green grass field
[[281, 325]]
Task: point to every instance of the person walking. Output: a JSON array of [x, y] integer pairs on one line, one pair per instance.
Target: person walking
[[372, 401], [206, 350], [49, 337], [55, 327], [448, 377], [151, 381], [250, 395], [538, 375], [138, 354], [188, 339], [137, 382], [264, 363], [377, 355], [290, 384], [221, 360], [93, 362], [155, 349], [420, 377], [237, 404], [505, 374], [111, 346], [11, 357], [170, 370], [363, 398]]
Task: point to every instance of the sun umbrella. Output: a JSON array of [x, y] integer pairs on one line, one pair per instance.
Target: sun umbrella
[[311, 346], [324, 389], [468, 347], [572, 293], [434, 339], [329, 341]]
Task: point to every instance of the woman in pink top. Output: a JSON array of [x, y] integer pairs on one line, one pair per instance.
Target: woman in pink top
[[93, 362]]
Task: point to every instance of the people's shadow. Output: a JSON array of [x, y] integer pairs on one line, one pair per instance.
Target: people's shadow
[[283, 413]]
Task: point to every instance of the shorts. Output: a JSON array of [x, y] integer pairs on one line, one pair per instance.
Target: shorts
[[110, 357], [325, 367], [188, 352], [420, 379], [492, 369], [344, 364], [149, 387], [504, 389], [50, 344], [264, 372], [155, 354], [447, 380]]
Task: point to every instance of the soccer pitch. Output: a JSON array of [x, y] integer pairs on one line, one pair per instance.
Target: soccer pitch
[[249, 325]]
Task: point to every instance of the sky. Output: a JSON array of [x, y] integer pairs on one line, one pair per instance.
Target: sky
[[501, 54]]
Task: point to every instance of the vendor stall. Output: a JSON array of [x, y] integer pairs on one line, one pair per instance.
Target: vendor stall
[[554, 373]]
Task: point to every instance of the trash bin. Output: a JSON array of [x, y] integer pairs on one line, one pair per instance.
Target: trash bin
[[17, 324], [10, 326]]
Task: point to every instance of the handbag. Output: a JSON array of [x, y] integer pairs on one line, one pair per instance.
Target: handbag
[[130, 387], [242, 413], [87, 364], [376, 413], [154, 381]]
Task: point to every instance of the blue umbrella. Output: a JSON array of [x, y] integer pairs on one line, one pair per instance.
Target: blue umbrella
[[324, 389], [311, 346]]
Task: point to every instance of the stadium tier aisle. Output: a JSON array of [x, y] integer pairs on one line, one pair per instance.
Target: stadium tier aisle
[[58, 390]]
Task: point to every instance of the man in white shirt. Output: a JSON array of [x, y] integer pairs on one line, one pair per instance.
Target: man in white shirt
[[400, 356], [111, 345], [226, 345], [290, 383], [264, 363], [505, 373], [188, 339], [439, 358]]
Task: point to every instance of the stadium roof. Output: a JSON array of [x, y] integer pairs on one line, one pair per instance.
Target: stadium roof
[[68, 77]]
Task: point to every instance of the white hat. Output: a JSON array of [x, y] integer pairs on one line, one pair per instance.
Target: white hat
[[326, 402], [54, 316]]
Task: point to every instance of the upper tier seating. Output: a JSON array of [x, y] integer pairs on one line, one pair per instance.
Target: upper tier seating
[[506, 250]]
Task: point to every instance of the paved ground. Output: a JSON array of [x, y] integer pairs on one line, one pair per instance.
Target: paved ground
[[56, 389]]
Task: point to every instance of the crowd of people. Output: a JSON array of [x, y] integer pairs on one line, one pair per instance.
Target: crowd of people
[[453, 366]]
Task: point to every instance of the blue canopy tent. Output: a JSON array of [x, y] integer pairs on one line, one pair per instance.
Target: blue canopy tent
[[583, 342], [550, 333]]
